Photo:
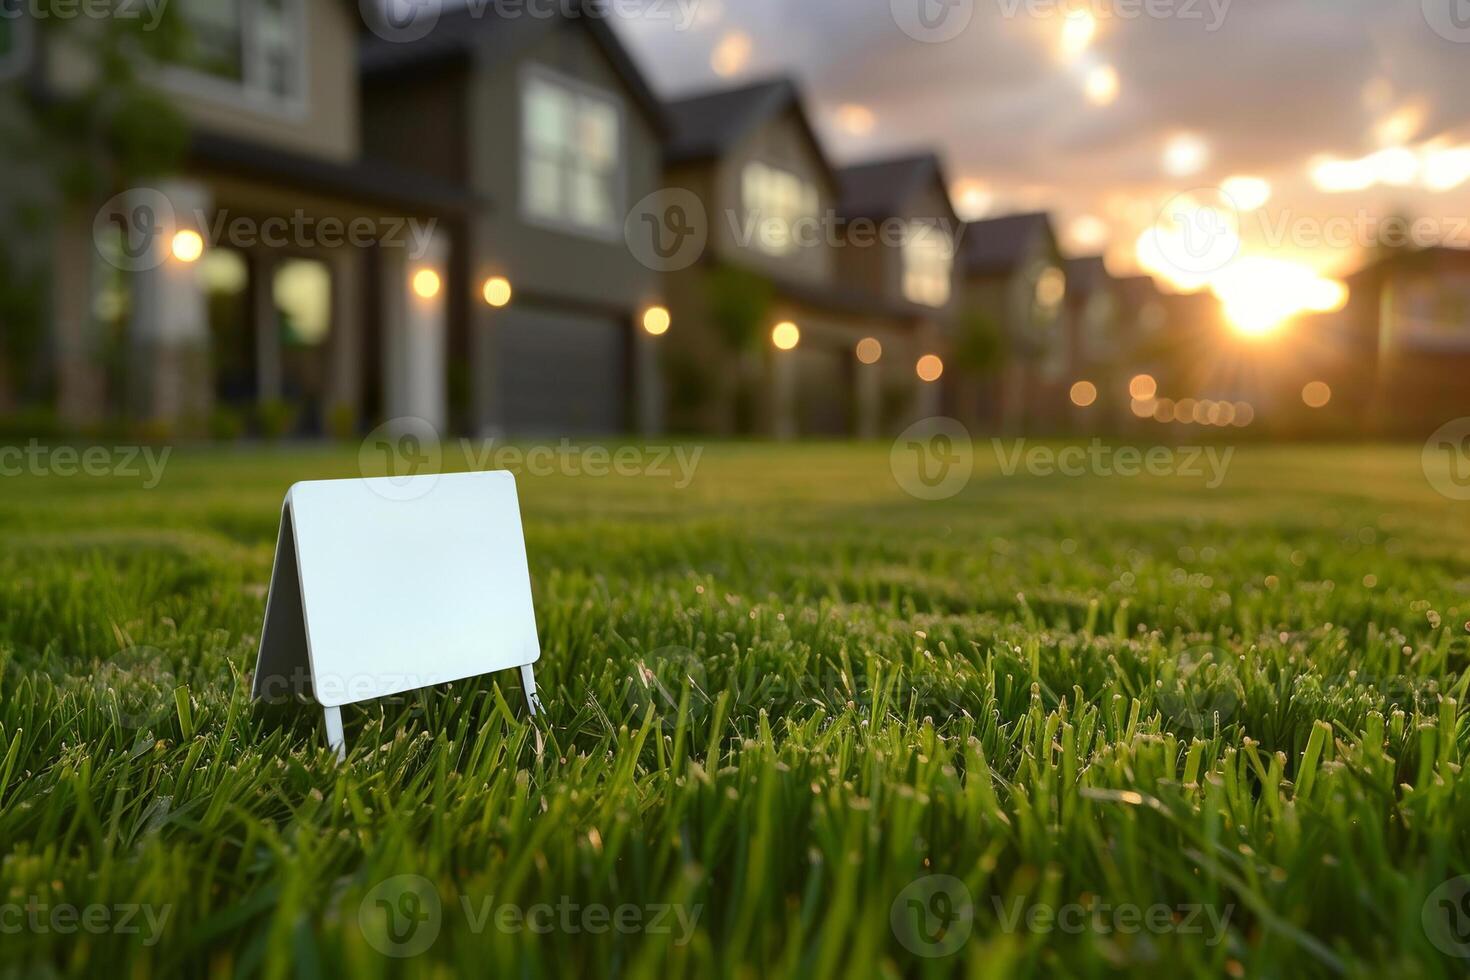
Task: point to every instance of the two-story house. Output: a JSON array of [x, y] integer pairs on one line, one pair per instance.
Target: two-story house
[[550, 117], [273, 273], [788, 323], [1398, 354], [899, 247], [1012, 277]]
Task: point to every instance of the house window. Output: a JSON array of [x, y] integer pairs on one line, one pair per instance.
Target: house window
[[253, 49], [928, 263], [572, 163], [775, 200]]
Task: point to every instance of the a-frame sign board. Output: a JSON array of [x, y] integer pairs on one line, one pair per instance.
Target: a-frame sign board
[[387, 585]]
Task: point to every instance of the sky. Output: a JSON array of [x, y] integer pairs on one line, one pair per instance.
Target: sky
[[1334, 117]]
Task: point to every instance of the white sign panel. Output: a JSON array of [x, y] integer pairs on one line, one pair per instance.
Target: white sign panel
[[387, 585]]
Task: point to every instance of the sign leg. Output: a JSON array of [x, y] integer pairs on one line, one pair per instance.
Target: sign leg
[[335, 738], [528, 681]]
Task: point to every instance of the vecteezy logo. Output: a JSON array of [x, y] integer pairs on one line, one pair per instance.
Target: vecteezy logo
[[1446, 917], [395, 452], [401, 21], [138, 685], [401, 916], [933, 916], [132, 230], [1450, 19], [1446, 459], [662, 680], [667, 230], [933, 458], [1197, 232], [932, 21], [1201, 698]]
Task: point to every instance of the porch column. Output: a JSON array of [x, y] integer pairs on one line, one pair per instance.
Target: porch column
[[783, 394], [77, 267], [929, 400], [415, 325], [484, 369], [267, 331], [344, 374], [868, 392], [169, 331], [648, 382]]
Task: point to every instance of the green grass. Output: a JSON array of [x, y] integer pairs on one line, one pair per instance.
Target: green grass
[[776, 699]]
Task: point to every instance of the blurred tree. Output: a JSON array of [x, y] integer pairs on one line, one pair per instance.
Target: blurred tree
[[740, 304], [71, 150], [981, 346]]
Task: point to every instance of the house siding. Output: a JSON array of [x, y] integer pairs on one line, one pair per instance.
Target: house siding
[[537, 258], [325, 125], [782, 143]]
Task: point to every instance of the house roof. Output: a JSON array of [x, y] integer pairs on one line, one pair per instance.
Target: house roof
[[998, 245], [1430, 257], [359, 180], [460, 33], [707, 125], [879, 188]]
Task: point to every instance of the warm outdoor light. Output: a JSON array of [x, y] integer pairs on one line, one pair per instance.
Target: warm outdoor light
[[656, 321], [188, 245], [1143, 387], [869, 350], [1084, 393], [497, 291], [929, 368], [426, 283], [785, 335], [1316, 394]]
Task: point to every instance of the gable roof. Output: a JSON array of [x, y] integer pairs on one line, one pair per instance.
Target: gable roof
[[708, 125], [880, 188], [460, 33], [998, 245], [1431, 257]]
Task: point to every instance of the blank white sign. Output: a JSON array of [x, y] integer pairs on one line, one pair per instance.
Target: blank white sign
[[398, 583]]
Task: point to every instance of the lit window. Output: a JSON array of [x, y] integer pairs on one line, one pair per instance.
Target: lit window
[[572, 156], [253, 48], [775, 201], [1051, 289], [302, 289], [928, 263]]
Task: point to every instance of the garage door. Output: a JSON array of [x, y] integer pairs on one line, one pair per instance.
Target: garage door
[[561, 373]]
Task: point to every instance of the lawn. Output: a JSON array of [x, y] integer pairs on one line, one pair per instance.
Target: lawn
[[799, 722]]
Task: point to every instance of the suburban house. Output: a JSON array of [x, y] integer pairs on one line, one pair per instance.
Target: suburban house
[[1012, 291], [909, 271], [268, 280], [1398, 354], [550, 117], [777, 329]]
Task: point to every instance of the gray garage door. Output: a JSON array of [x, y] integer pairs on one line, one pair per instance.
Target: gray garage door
[[561, 373]]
